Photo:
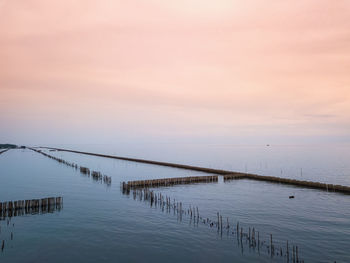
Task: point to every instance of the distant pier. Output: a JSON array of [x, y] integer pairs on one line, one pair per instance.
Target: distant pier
[[228, 175], [168, 182], [299, 183]]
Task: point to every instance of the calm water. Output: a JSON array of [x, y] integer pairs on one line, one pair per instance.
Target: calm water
[[99, 223], [326, 163]]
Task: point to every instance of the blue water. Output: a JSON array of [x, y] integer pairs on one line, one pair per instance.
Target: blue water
[[329, 163], [99, 223]]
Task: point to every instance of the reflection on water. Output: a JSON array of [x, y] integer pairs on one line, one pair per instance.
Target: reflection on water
[[10, 210], [99, 223], [33, 206], [6, 233], [245, 238]]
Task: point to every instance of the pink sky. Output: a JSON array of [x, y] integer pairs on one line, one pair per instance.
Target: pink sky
[[84, 70]]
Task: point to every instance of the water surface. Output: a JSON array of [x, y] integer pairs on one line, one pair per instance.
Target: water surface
[[99, 223]]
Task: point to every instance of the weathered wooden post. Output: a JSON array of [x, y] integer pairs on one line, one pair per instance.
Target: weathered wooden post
[[271, 246], [218, 221], [296, 251]]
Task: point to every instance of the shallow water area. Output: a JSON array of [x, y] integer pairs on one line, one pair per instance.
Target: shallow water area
[[327, 163], [99, 223]]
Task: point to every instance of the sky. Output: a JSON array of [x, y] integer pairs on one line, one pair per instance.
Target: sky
[[225, 71]]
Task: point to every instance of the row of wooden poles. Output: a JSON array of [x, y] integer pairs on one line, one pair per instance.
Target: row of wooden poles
[[97, 176], [11, 209], [21, 207], [126, 186], [140, 190], [273, 179], [228, 175], [56, 159], [1, 152], [249, 237]]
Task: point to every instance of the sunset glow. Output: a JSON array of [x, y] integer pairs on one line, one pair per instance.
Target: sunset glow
[[166, 69]]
